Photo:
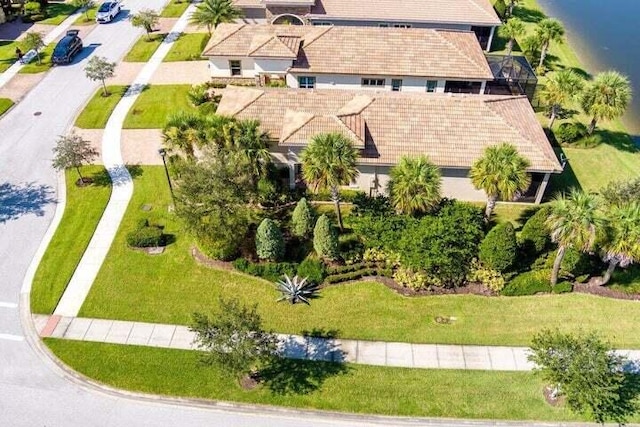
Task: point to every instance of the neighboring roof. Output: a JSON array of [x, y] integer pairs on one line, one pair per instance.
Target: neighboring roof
[[368, 51], [474, 12], [453, 130]]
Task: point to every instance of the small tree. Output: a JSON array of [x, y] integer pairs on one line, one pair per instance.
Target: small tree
[[84, 4], [414, 185], [561, 87], [535, 236], [511, 30], [325, 239], [303, 219], [622, 244], [499, 249], [234, 339], [33, 41], [100, 69], [621, 192], [548, 30], [607, 98], [72, 151], [269, 241], [585, 370], [147, 19]]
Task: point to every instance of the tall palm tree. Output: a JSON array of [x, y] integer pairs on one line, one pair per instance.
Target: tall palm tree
[[328, 162], [622, 244], [513, 29], [183, 132], [548, 30], [560, 88], [252, 144], [211, 13], [607, 98], [575, 222], [415, 185], [502, 173], [512, 5]]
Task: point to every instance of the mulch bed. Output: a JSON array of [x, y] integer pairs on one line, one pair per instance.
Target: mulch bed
[[469, 289], [602, 291], [208, 262]]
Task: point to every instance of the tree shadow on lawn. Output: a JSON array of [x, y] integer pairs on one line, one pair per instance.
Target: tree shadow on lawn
[[528, 15], [293, 376], [619, 140]]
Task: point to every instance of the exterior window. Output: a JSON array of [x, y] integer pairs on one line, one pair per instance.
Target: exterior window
[[383, 25], [396, 85], [236, 68], [306, 82], [401, 25], [431, 85], [322, 24], [373, 82]]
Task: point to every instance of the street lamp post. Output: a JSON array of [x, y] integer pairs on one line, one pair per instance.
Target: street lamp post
[[163, 154]]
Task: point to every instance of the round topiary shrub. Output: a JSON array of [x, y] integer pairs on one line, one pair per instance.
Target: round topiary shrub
[[529, 283], [325, 239], [145, 235], [269, 241], [534, 237], [302, 219], [570, 132], [499, 248]]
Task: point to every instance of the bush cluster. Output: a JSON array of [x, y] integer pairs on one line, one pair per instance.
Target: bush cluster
[[529, 283], [534, 237], [272, 271], [570, 132], [145, 236], [358, 274], [499, 249], [313, 270], [492, 279], [325, 239], [415, 280], [325, 196]]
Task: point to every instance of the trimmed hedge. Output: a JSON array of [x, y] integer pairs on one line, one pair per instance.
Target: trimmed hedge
[[534, 237], [570, 132], [269, 241], [325, 239], [145, 236], [272, 271], [313, 270], [499, 249], [529, 283], [358, 274]]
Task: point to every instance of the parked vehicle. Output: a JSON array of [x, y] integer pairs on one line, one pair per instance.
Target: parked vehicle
[[67, 48], [107, 12]]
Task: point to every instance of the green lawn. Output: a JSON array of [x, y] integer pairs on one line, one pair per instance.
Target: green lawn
[[175, 9], [5, 104], [8, 57], [58, 12], [96, 113], [348, 388], [144, 48], [188, 47], [88, 18], [7, 54], [45, 62], [168, 288], [155, 104], [82, 213]]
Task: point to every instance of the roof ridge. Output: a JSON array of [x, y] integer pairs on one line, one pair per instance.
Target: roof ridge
[[320, 29], [272, 37], [238, 28], [309, 117], [457, 48], [475, 3], [285, 45]]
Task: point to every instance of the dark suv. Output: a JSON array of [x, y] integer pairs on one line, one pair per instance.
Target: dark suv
[[67, 48]]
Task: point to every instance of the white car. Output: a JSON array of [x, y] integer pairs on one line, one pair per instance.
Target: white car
[[107, 12]]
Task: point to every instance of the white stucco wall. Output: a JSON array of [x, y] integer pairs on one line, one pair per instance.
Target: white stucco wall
[[219, 67], [338, 81], [276, 66]]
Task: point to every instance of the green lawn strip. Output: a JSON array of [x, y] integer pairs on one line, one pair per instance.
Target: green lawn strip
[[7, 54], [5, 104], [155, 104], [88, 18], [175, 9], [58, 12], [96, 113], [83, 211], [168, 288], [188, 47], [355, 388], [144, 48], [45, 62]]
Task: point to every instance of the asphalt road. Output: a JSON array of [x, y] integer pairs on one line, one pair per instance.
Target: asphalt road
[[33, 390]]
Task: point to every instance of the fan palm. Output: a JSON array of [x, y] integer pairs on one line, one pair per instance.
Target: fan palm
[[548, 30], [561, 87], [501, 173], [183, 132], [622, 245], [328, 162], [211, 13], [607, 98], [414, 186], [252, 144], [512, 4], [513, 29], [575, 222]]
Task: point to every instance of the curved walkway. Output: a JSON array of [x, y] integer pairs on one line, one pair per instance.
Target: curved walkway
[[95, 254]]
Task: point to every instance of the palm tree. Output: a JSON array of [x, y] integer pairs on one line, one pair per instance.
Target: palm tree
[[561, 87], [575, 222], [252, 144], [328, 162], [414, 186], [183, 132], [502, 173], [548, 30], [607, 98], [512, 4], [513, 29], [211, 13], [622, 245]]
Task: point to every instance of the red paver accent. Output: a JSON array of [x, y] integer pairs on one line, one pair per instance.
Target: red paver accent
[[50, 326]]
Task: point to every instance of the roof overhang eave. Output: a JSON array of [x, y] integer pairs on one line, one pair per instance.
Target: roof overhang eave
[[321, 17]]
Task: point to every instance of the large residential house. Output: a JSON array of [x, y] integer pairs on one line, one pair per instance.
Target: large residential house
[[342, 57], [471, 15], [452, 130]]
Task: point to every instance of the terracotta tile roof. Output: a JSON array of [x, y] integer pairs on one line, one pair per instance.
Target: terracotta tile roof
[[367, 51], [453, 130], [472, 12]]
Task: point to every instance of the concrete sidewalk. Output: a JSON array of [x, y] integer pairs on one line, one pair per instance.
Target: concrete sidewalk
[[431, 356]]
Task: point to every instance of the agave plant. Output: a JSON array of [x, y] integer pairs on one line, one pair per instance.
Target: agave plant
[[296, 290]]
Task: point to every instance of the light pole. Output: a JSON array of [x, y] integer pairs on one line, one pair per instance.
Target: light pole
[[163, 154]]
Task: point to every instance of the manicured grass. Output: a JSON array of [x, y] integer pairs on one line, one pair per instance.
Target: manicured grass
[[188, 47], [144, 48], [96, 113], [349, 388], [88, 18], [168, 288], [8, 57], [155, 104], [58, 12], [175, 9], [82, 213], [45, 62], [5, 104], [7, 54]]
